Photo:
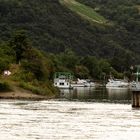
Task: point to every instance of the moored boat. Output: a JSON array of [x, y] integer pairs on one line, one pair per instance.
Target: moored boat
[[62, 80], [116, 83], [82, 83]]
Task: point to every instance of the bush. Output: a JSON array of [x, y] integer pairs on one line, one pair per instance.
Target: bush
[[4, 87]]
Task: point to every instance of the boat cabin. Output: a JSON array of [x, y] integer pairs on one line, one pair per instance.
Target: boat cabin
[[62, 80]]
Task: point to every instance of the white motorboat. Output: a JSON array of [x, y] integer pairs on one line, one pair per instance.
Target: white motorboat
[[79, 83], [114, 83], [82, 83]]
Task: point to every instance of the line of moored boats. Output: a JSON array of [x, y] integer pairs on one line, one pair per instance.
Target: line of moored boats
[[66, 83]]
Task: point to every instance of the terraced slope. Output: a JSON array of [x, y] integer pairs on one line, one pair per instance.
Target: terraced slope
[[84, 11]]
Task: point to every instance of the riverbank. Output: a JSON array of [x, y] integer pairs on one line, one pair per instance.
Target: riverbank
[[20, 93]]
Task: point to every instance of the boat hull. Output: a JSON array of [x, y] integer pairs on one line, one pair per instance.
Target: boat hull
[[117, 84]]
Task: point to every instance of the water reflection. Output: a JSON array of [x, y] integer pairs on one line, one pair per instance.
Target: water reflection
[[77, 93], [97, 94], [118, 94]]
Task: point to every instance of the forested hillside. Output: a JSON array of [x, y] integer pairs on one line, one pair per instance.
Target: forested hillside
[[53, 27], [126, 18]]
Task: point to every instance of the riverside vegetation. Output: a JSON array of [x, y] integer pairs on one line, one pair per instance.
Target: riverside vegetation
[[29, 67], [38, 38], [33, 69]]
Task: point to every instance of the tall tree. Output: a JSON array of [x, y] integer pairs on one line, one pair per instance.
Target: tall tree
[[21, 44]]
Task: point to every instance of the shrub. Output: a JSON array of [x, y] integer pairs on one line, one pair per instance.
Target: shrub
[[4, 87]]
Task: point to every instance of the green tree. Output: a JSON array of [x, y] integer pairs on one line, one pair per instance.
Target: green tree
[[68, 59], [104, 66], [20, 44], [35, 63], [81, 72], [6, 56], [93, 66]]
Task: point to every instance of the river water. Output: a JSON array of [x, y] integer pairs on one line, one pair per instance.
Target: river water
[[98, 115]]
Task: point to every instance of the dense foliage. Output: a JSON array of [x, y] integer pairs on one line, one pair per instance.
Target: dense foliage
[[88, 50], [54, 28], [30, 65], [125, 15]]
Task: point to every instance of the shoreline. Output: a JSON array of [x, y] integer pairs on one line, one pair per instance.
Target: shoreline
[[24, 95]]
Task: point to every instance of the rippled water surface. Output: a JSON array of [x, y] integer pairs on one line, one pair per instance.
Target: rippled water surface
[[79, 114], [68, 120]]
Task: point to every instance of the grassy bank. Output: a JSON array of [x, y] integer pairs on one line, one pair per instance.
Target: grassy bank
[[22, 90], [15, 87], [83, 10], [44, 89]]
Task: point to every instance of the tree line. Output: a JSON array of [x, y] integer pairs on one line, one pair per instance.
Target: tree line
[[36, 65]]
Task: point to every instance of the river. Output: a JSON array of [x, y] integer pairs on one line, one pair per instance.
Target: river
[[99, 94], [83, 114]]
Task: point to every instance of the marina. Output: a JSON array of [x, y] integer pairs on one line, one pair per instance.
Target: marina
[[64, 80], [70, 70]]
